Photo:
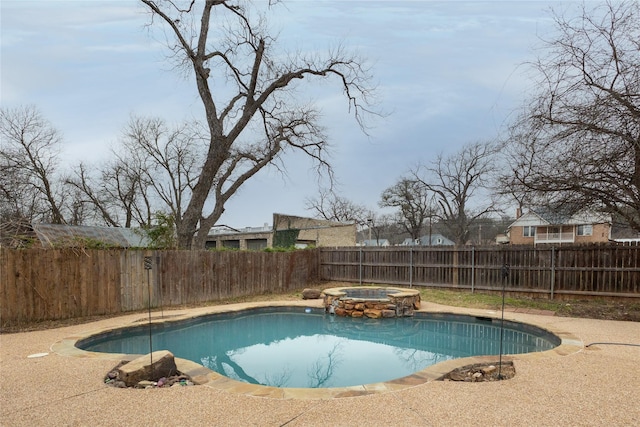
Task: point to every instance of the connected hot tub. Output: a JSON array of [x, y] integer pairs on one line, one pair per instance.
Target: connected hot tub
[[371, 301]]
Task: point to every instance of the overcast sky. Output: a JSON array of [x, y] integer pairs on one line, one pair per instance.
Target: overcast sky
[[448, 73]]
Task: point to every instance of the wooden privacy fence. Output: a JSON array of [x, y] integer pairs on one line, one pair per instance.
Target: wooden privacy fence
[[607, 270], [49, 284]]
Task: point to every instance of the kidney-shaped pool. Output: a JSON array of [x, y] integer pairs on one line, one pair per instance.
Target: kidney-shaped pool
[[303, 347]]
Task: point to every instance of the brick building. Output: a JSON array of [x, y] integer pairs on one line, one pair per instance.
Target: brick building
[[548, 227], [287, 230]]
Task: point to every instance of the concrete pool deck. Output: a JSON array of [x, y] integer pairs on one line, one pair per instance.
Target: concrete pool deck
[[574, 386]]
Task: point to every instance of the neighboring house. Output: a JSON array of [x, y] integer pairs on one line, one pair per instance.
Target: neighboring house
[[61, 235], [502, 239], [435, 240], [292, 230], [548, 227], [375, 242], [621, 232]]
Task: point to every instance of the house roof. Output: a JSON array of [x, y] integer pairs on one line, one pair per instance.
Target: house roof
[[376, 242], [436, 240], [57, 235], [545, 216]]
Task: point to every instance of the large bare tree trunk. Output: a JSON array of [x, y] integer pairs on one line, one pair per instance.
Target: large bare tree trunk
[[229, 47]]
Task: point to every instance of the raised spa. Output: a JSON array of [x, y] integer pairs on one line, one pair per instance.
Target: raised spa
[[371, 301]]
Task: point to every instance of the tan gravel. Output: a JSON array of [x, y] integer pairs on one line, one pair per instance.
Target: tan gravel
[[596, 386]]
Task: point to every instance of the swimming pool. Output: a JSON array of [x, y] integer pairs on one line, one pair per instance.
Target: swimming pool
[[303, 347]]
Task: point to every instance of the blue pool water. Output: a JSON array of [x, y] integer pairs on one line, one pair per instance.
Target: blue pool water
[[286, 347]]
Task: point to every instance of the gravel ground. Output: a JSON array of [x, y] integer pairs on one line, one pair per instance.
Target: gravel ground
[[597, 386]]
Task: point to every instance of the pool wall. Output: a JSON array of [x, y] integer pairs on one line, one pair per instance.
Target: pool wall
[[371, 302]]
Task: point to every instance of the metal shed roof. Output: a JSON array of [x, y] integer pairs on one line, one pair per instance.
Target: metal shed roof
[[57, 235]]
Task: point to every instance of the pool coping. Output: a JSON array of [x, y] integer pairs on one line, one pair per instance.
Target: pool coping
[[203, 376]]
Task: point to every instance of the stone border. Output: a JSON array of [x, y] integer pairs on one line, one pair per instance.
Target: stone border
[[570, 344]]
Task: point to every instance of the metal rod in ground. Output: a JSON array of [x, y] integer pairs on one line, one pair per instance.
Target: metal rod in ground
[[147, 265], [501, 337], [505, 275]]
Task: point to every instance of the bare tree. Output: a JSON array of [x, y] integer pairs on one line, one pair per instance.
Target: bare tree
[[153, 172], [114, 193], [228, 50], [82, 181], [385, 226], [330, 206], [578, 143], [29, 184], [457, 182], [414, 203], [166, 159]]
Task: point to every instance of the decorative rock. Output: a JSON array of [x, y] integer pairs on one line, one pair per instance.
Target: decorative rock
[[145, 384], [357, 314], [373, 314], [481, 372], [340, 311], [178, 379], [388, 313], [141, 368], [311, 293], [457, 376], [488, 369]]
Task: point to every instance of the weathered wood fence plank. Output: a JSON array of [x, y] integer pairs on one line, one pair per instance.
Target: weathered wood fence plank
[[605, 270], [49, 284]]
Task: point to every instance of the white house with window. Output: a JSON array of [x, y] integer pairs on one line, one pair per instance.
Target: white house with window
[[548, 227]]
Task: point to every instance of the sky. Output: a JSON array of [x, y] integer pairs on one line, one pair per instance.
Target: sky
[[447, 73]]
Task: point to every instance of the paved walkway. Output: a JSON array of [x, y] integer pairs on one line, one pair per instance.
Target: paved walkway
[[597, 385]]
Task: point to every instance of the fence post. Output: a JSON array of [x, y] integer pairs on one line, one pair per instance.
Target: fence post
[[473, 267], [360, 267], [410, 266], [553, 269]]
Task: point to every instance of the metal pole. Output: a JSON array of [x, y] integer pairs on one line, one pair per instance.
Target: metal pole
[[505, 275], [147, 266]]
